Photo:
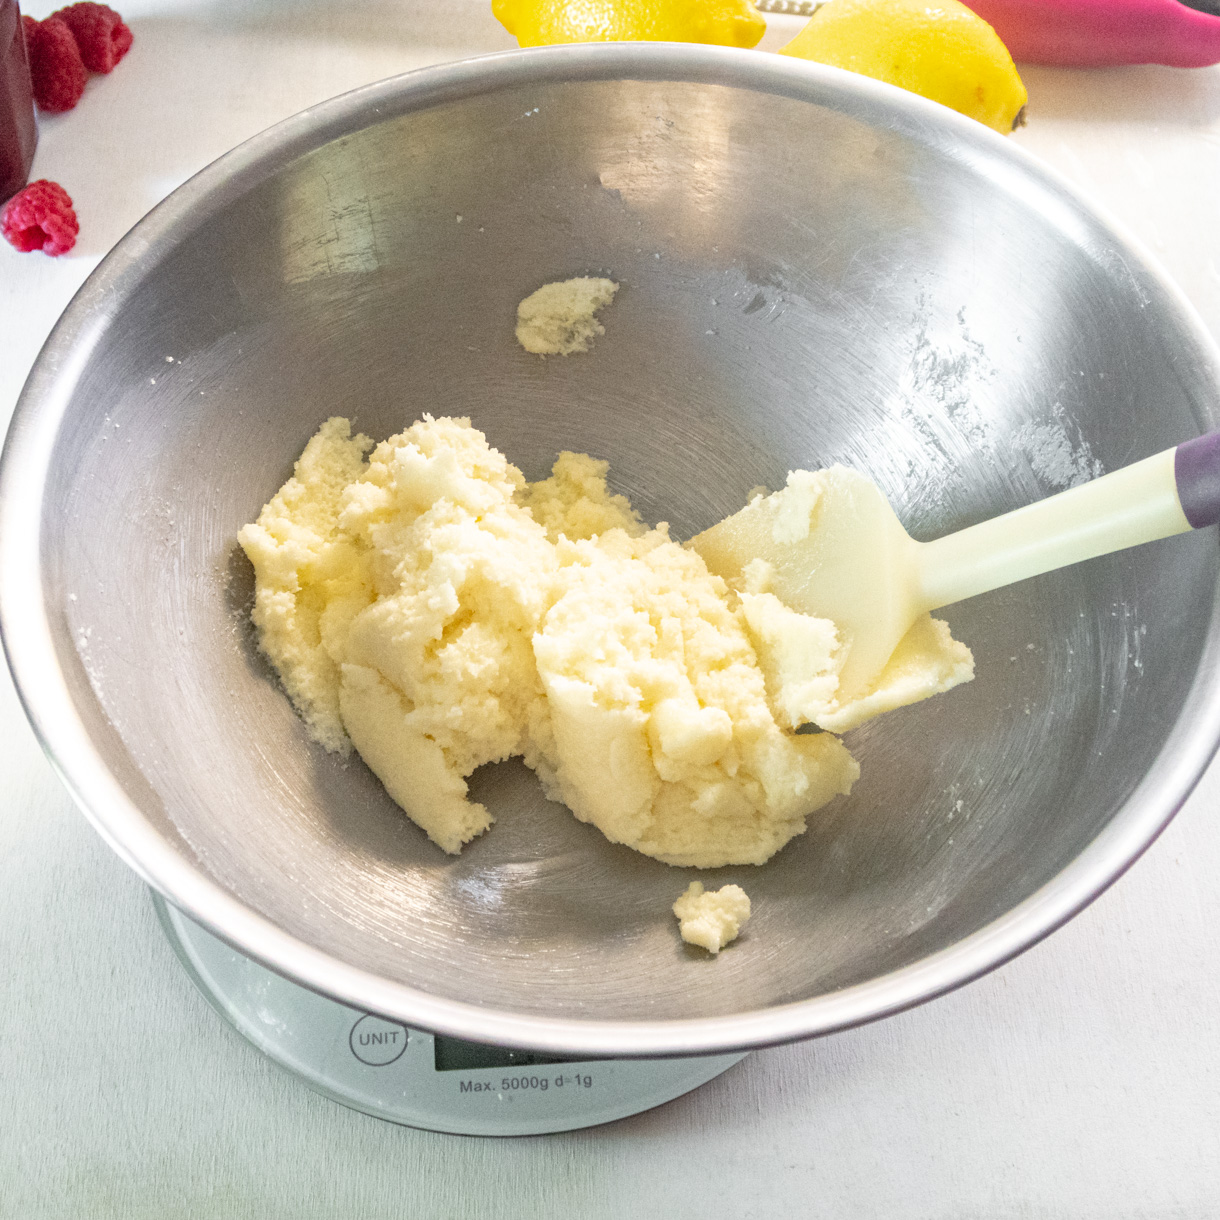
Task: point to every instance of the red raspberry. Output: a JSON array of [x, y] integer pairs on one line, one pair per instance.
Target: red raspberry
[[100, 34], [56, 69], [40, 218]]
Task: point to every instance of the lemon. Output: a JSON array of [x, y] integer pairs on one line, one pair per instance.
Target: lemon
[[731, 23], [936, 48]]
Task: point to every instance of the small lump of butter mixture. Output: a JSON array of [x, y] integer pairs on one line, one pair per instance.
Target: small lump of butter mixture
[[711, 918], [559, 319], [424, 603]]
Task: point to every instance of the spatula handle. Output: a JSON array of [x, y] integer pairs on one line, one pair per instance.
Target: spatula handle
[[1091, 33], [1196, 472], [1166, 494]]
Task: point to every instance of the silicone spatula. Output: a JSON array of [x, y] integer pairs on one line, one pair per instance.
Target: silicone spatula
[[850, 560], [1095, 33], [1088, 33]]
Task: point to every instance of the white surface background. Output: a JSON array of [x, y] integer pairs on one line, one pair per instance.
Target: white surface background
[[1082, 1080]]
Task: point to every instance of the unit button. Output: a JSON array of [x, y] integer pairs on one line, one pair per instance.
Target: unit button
[[377, 1042]]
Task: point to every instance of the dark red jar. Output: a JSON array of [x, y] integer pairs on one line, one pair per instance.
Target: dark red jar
[[18, 135]]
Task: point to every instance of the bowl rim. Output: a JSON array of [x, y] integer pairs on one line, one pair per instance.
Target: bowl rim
[[43, 691]]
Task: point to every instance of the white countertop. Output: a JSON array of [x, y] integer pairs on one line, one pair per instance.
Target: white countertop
[[1081, 1080]]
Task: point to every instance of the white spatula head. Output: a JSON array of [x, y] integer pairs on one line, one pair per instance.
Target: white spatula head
[[836, 550]]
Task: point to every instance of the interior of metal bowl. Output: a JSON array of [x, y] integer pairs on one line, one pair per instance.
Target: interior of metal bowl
[[812, 270]]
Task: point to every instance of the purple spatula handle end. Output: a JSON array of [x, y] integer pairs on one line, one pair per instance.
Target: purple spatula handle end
[[1196, 471]]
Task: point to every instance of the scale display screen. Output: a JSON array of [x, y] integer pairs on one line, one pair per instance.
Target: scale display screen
[[454, 1055]]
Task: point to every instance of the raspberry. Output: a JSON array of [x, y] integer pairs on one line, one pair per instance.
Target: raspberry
[[100, 34], [56, 69], [40, 218]]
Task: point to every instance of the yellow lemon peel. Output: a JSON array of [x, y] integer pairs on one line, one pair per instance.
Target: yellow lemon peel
[[534, 23], [939, 49]]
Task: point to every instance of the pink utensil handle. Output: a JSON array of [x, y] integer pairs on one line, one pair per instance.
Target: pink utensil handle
[[1196, 472], [1093, 33]]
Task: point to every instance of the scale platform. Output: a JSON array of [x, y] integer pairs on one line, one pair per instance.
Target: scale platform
[[419, 1079]]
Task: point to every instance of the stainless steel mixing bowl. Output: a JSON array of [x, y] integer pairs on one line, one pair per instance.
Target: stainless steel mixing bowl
[[814, 268]]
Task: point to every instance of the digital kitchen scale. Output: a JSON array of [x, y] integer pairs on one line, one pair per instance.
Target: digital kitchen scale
[[407, 1076]]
